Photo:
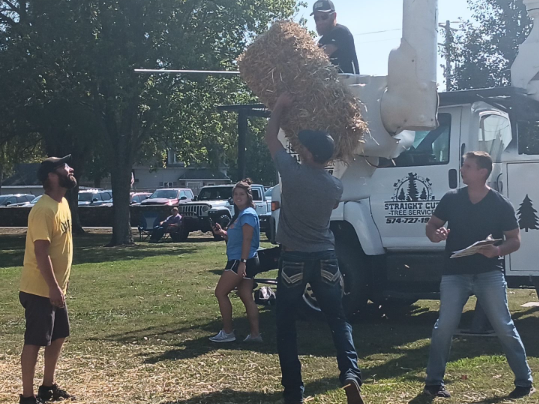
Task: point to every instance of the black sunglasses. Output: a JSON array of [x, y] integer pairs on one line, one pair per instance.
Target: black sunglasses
[[322, 17]]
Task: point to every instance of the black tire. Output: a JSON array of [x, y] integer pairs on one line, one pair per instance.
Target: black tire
[[223, 220], [353, 266]]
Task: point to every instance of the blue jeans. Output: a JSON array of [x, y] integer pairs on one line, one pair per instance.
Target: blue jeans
[[321, 270], [491, 291]]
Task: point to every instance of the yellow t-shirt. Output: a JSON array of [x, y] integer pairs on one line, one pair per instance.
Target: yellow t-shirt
[[48, 220]]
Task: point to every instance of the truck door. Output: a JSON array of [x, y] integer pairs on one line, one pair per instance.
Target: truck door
[[523, 192], [259, 201], [406, 190]]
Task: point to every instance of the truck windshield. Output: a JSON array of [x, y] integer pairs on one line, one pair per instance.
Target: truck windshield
[[429, 148], [164, 193], [215, 194]]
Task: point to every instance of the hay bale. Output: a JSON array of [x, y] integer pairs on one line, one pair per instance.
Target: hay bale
[[286, 59]]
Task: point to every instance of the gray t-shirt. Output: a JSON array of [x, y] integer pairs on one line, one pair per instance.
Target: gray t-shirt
[[308, 197]]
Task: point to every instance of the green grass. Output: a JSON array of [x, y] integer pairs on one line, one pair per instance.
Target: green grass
[[141, 317]]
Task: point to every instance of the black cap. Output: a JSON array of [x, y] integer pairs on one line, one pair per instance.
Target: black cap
[[49, 165], [323, 6], [319, 143]]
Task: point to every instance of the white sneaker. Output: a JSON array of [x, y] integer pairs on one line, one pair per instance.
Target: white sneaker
[[250, 338], [223, 337]]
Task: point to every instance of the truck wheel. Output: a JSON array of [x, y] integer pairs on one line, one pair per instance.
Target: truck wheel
[[224, 221], [353, 266]]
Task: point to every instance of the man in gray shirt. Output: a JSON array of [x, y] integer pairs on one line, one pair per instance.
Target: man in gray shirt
[[309, 194]]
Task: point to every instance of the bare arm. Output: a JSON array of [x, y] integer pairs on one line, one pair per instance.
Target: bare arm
[[272, 131], [329, 49], [510, 245], [435, 230], [44, 263]]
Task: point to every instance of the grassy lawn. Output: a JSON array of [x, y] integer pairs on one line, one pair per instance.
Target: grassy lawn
[[141, 318]]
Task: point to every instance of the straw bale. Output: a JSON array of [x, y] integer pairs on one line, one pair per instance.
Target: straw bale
[[285, 58]]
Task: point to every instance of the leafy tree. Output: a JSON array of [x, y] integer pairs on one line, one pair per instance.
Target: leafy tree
[[81, 55], [482, 50]]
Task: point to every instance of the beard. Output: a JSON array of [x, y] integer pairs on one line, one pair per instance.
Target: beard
[[68, 181]]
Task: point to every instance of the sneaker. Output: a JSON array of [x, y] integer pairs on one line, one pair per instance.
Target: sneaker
[[520, 392], [30, 400], [353, 392], [223, 337], [436, 391], [250, 338], [53, 393]]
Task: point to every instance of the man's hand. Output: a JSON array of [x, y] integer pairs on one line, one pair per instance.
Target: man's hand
[[284, 101], [57, 297], [242, 269], [440, 235], [329, 49], [490, 251]]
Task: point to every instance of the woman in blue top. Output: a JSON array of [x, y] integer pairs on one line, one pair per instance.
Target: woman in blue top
[[242, 237]]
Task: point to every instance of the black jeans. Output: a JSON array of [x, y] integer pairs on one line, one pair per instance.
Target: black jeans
[[321, 271]]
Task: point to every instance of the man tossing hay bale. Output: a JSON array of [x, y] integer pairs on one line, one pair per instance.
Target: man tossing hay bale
[[286, 59]]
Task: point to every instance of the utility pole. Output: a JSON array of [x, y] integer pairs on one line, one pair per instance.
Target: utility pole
[[448, 37], [448, 74]]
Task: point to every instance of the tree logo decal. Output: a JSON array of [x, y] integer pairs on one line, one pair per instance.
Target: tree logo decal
[[527, 218], [413, 201], [413, 188]]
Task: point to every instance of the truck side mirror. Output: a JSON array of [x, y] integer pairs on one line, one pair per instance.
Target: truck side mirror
[[183, 198], [195, 198]]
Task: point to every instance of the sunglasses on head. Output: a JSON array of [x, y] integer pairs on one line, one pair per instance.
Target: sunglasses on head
[[322, 17]]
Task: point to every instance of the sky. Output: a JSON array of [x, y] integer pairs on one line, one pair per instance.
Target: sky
[[366, 18]]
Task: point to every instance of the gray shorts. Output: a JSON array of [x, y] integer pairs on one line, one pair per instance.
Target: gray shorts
[[44, 322]]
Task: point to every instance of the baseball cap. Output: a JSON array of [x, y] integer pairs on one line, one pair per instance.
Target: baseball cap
[[319, 143], [49, 165], [323, 6]]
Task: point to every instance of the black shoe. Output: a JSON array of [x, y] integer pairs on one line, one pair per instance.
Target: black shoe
[[520, 392], [30, 400], [436, 391], [353, 392], [53, 393]]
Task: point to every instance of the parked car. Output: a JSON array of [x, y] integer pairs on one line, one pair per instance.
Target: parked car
[[267, 194], [15, 200], [33, 201], [214, 205], [94, 197], [138, 197], [169, 196]]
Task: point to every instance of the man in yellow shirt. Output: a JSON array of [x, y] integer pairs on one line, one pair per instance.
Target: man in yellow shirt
[[47, 264]]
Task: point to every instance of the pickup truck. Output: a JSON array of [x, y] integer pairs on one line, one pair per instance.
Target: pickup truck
[[214, 204]]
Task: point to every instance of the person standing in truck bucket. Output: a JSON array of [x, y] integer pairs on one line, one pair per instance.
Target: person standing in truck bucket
[[336, 40], [45, 275], [308, 253], [473, 213]]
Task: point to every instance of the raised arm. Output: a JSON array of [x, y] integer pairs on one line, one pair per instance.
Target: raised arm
[[284, 102]]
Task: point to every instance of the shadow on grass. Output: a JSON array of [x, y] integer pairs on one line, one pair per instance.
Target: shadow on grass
[[237, 397], [90, 248], [421, 399]]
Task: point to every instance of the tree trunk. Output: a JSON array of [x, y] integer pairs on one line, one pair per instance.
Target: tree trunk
[[121, 186], [72, 197]]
